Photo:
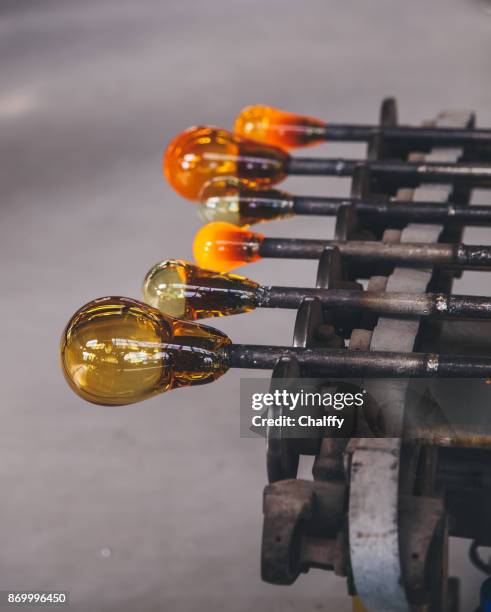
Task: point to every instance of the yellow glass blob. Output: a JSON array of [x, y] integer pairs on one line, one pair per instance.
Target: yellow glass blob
[[202, 153], [358, 605], [241, 203], [279, 128], [181, 289], [222, 246], [116, 350]]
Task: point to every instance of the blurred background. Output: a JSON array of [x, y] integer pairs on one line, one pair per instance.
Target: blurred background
[[157, 506]]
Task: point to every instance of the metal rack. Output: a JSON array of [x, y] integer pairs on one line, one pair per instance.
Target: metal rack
[[378, 511]]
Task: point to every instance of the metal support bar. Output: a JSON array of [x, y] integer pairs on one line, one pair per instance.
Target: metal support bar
[[422, 212], [408, 174], [459, 256], [436, 305]]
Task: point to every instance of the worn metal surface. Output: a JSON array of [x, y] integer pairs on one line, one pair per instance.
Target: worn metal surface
[[408, 254], [301, 524], [438, 305], [423, 540], [295, 525], [373, 524], [428, 212], [406, 174], [281, 456], [465, 473], [374, 500], [413, 138], [336, 362]]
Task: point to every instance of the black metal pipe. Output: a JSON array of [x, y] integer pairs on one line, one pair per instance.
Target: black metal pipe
[[339, 362], [435, 305], [423, 212], [400, 172], [454, 256], [417, 138]]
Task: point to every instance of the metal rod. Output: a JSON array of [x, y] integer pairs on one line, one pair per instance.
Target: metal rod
[[404, 173], [337, 362], [451, 436], [436, 305], [422, 212], [416, 137], [459, 256]]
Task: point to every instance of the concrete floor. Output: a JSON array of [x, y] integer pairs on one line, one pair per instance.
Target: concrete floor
[[157, 506]]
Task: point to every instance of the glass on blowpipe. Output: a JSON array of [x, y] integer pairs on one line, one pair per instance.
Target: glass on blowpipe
[[223, 247], [289, 130], [278, 127], [244, 203], [203, 153], [117, 351], [182, 289], [241, 202]]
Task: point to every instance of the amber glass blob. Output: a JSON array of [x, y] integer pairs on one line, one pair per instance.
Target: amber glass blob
[[181, 289], [223, 247], [238, 202], [116, 350], [279, 128], [202, 153]]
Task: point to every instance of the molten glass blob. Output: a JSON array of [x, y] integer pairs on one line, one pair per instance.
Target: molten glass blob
[[118, 351], [202, 153], [180, 289], [222, 246], [238, 202], [279, 128]]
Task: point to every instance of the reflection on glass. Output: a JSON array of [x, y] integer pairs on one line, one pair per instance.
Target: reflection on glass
[[203, 153], [115, 350], [222, 246], [242, 203], [180, 289], [279, 128]]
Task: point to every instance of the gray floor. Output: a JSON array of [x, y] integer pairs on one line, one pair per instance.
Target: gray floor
[[157, 506]]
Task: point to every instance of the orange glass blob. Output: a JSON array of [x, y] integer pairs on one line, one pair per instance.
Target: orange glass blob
[[238, 202], [116, 350], [222, 246], [279, 128], [202, 153], [180, 289]]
